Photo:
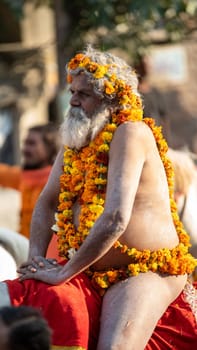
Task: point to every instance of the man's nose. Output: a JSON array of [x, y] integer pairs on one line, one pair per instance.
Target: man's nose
[[74, 101]]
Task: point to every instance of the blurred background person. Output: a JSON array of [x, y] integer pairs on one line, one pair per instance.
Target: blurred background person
[[185, 191], [154, 103], [38, 153], [23, 328]]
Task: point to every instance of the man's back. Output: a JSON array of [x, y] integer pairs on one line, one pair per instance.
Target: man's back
[[139, 174]]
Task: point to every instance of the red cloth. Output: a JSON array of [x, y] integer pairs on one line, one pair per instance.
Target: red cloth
[[177, 328], [52, 251], [73, 310]]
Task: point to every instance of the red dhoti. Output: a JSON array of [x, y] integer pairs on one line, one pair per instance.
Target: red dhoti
[[177, 328], [73, 311]]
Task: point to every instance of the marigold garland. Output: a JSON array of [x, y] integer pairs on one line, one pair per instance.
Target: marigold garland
[[85, 178]]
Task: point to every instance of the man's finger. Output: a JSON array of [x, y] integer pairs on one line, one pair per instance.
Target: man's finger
[[26, 263], [27, 276], [52, 261]]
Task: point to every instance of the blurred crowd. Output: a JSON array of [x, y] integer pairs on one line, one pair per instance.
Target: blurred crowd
[[38, 153]]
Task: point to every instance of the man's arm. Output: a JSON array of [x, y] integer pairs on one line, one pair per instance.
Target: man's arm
[[43, 214]]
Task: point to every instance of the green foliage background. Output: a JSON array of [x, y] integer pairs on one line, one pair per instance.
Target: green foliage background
[[126, 24]]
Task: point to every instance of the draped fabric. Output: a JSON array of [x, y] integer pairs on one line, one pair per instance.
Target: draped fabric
[[73, 312], [177, 328], [72, 309]]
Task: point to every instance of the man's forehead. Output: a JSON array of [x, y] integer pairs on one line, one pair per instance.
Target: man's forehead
[[81, 82]]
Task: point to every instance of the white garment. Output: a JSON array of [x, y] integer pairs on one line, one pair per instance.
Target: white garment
[[15, 243], [4, 295], [7, 266]]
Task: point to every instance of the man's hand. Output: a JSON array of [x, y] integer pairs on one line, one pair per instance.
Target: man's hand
[[40, 268], [37, 262]]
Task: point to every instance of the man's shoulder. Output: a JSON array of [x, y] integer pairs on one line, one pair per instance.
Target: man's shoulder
[[136, 130], [132, 135]]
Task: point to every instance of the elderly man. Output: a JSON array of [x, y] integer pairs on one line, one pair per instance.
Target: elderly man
[[116, 223]]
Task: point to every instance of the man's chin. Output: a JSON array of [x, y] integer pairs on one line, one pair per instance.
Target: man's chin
[[78, 129]]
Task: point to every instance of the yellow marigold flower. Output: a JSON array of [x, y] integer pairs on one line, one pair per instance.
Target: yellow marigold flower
[[98, 200], [99, 181], [100, 72], [96, 208], [102, 169], [89, 223], [154, 266], [143, 267], [84, 62], [113, 78], [111, 127], [68, 213], [132, 252], [109, 89], [107, 136], [67, 169], [78, 187], [145, 255], [124, 100], [74, 171], [120, 85], [136, 114], [101, 282], [103, 148], [134, 269]]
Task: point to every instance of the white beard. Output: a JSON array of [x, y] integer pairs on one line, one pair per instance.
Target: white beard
[[78, 130]]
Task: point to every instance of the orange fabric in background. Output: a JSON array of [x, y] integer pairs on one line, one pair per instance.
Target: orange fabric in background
[[30, 183]]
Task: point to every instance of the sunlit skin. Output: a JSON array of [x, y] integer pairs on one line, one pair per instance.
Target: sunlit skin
[[136, 212]]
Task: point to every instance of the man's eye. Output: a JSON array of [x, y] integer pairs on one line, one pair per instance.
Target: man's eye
[[82, 93]]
